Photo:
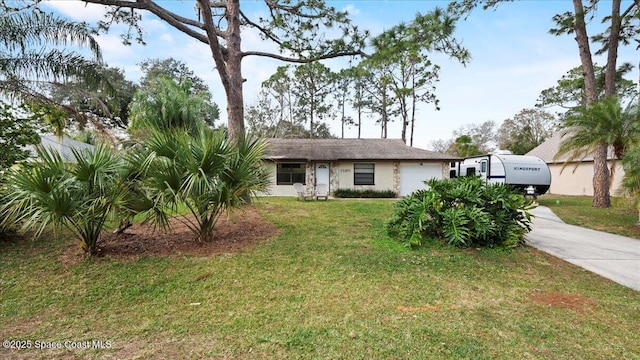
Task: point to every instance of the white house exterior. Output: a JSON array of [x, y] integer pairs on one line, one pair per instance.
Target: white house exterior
[[379, 164], [577, 176]]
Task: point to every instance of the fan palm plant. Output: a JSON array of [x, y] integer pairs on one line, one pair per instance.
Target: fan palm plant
[[80, 196], [205, 172], [604, 124]]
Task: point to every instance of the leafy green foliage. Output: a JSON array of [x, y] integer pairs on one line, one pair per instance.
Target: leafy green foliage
[[313, 83], [166, 103], [109, 103], [569, 91], [367, 193], [402, 71], [631, 180], [464, 212], [179, 72], [463, 146], [33, 48], [526, 130], [15, 133]]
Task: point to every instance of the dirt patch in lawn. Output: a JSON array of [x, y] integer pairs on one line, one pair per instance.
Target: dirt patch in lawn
[[243, 229], [562, 300]]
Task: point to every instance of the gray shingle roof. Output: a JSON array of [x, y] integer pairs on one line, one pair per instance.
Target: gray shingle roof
[[548, 149], [51, 142], [348, 149]]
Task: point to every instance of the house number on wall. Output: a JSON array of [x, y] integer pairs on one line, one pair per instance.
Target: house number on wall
[[345, 170]]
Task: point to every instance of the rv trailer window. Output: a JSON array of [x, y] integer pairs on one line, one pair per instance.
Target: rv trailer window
[[483, 167], [471, 171]]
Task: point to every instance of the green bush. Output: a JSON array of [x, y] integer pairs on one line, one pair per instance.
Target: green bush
[[464, 212], [349, 193]]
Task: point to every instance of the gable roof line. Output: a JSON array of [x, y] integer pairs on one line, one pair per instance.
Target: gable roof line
[[348, 149], [549, 148]]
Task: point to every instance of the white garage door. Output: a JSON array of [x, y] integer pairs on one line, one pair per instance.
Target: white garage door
[[413, 175]]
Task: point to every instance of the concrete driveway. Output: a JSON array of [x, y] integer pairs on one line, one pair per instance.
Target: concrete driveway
[[612, 256]]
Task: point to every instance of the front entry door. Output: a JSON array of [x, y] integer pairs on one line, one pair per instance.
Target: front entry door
[[322, 173]]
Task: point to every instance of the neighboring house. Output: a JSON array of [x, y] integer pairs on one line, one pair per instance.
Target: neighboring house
[[64, 147], [380, 164], [577, 176]]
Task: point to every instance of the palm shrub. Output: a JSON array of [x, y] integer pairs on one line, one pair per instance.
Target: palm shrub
[[464, 212], [80, 196], [631, 181], [204, 172]]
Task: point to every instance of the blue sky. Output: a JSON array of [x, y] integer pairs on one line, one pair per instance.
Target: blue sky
[[514, 58]]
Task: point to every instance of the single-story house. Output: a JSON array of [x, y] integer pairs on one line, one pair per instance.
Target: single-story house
[[357, 164], [577, 176]]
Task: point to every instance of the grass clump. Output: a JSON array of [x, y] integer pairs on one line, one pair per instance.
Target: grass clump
[[620, 218]]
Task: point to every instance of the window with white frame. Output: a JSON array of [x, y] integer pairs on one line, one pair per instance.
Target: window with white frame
[[364, 173], [291, 173]]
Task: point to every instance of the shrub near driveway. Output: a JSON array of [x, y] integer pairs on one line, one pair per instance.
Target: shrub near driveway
[[464, 212], [331, 286]]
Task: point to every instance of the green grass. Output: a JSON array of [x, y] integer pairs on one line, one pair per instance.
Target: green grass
[[619, 219], [331, 286]]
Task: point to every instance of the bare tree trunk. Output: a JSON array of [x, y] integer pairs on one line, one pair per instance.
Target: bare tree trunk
[[359, 121], [384, 115], [230, 71], [413, 101], [612, 49], [582, 39], [235, 99], [342, 103], [601, 196]]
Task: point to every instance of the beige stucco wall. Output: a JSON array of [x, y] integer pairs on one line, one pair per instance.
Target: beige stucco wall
[[341, 177], [383, 177], [277, 190], [579, 180]]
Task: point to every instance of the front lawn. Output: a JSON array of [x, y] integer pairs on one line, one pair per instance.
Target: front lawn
[[619, 219], [331, 285]]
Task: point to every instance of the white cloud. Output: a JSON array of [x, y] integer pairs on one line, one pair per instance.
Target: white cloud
[[352, 10], [77, 10]]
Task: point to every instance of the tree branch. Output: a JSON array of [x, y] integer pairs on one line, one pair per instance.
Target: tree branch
[[264, 31], [306, 60], [180, 23]]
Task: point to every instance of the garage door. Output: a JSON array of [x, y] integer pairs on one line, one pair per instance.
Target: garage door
[[412, 176]]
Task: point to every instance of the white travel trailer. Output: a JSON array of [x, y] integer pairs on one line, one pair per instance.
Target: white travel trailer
[[528, 173]]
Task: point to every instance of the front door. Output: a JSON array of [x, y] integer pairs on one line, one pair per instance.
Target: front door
[[322, 173]]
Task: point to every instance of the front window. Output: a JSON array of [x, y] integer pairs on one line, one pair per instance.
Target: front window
[[291, 173], [364, 173]]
